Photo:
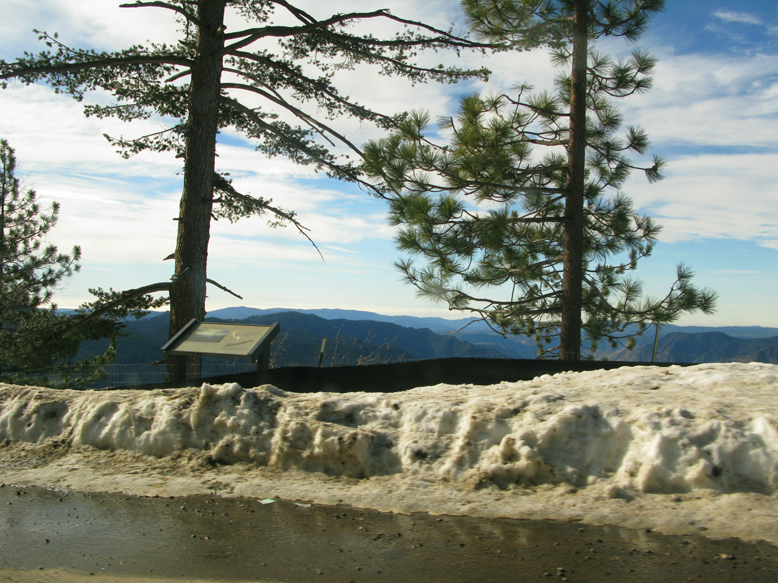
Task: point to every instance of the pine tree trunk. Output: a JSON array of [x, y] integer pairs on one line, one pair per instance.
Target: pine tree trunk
[[570, 337], [187, 293]]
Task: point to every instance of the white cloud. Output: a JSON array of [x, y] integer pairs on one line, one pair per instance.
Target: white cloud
[[51, 135], [738, 17], [709, 100], [715, 116], [326, 226], [714, 196], [120, 211], [113, 226]]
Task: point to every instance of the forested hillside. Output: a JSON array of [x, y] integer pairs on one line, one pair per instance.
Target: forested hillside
[[349, 342], [705, 347], [365, 341]]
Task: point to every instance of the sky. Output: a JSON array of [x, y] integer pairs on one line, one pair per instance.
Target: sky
[[711, 113]]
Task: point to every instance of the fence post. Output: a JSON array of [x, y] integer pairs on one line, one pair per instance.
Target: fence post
[[656, 342]]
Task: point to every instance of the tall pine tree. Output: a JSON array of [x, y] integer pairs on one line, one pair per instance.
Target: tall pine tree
[[38, 344], [285, 58], [518, 202]]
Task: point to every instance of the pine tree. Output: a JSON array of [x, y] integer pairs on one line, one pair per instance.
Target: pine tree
[[519, 201], [39, 343], [31, 338], [28, 270], [285, 58]]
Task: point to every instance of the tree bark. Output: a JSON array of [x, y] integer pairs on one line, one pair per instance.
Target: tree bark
[[570, 335], [187, 292]]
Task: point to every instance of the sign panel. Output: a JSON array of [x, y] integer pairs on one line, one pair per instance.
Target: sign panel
[[221, 339]]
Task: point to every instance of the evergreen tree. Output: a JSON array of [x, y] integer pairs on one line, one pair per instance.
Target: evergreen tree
[[518, 201], [35, 339], [28, 271], [285, 58]]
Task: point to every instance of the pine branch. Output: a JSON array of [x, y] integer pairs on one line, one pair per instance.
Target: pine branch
[[299, 14], [296, 144], [32, 70], [227, 187], [359, 110], [321, 128], [124, 298], [138, 4], [251, 35]]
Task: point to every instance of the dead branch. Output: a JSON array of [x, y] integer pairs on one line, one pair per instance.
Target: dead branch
[[220, 286]]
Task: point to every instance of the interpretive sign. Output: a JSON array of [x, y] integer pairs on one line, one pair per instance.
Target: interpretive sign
[[222, 340]]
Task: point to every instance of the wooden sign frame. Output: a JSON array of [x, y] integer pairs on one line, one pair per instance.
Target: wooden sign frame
[[223, 340]]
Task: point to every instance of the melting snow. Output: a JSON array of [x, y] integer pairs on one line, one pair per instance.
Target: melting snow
[[677, 449]]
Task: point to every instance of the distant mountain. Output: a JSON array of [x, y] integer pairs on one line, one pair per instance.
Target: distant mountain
[[444, 325], [416, 344], [705, 347], [349, 342], [363, 337], [478, 333], [434, 324], [732, 331], [511, 347], [141, 343]]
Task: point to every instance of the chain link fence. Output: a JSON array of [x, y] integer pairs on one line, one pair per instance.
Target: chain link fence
[[122, 375]]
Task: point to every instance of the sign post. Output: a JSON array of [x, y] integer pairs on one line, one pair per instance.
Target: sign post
[[224, 340]]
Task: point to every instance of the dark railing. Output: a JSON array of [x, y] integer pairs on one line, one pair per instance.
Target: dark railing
[[386, 378], [130, 375]]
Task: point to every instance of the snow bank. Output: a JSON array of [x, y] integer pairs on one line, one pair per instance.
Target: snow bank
[[626, 434]]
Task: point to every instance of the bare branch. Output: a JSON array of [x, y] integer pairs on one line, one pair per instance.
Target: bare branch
[[178, 76], [275, 210], [529, 300], [288, 71], [315, 124], [173, 7], [220, 286], [294, 143], [254, 34], [300, 15], [251, 35]]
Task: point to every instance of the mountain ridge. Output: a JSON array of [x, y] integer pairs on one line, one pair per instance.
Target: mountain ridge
[[356, 338], [702, 347], [436, 323], [348, 342]]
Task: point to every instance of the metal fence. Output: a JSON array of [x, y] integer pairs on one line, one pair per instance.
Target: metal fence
[[122, 375]]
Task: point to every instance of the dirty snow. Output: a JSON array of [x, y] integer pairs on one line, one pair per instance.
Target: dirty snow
[[678, 449]]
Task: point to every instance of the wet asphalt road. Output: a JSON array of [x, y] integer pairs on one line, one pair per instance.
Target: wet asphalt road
[[215, 539]]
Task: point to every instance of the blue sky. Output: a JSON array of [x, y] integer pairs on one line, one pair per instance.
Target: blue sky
[[712, 114]]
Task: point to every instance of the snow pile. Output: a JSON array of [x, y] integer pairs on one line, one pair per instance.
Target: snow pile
[[625, 435]]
